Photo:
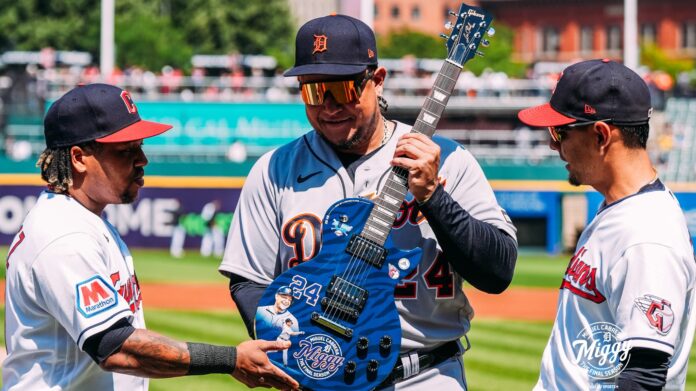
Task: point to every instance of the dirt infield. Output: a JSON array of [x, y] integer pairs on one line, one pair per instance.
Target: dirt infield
[[515, 303]]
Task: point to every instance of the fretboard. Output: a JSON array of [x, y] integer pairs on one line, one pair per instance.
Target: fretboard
[[389, 200]]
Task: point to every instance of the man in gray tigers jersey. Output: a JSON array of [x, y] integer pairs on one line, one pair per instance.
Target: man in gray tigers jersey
[[450, 211]]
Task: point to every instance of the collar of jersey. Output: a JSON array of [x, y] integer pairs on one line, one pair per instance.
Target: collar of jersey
[[655, 185]]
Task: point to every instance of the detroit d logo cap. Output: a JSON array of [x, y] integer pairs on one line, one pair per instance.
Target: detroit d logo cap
[[100, 112], [334, 45]]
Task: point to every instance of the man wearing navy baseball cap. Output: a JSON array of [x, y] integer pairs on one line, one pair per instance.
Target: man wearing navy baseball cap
[[630, 285], [449, 209], [73, 315]]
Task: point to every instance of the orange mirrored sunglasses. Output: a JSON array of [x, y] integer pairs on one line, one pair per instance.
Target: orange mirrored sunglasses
[[343, 91]]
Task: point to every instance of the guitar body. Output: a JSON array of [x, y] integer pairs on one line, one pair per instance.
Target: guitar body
[[324, 357]]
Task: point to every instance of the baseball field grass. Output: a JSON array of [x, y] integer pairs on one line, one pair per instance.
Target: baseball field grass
[[505, 353]]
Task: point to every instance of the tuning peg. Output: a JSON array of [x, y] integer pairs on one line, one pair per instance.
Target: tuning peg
[[477, 35], [444, 36], [485, 43], [449, 25], [452, 13], [491, 31], [480, 54], [483, 24]]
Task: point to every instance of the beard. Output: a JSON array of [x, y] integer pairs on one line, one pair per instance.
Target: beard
[[573, 180], [361, 137]]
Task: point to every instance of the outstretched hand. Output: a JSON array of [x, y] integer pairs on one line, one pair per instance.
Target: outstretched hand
[[255, 370]]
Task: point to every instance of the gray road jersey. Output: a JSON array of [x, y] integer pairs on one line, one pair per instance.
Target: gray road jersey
[[277, 225]]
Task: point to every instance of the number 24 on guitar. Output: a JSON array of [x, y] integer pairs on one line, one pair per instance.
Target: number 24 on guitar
[[338, 309]]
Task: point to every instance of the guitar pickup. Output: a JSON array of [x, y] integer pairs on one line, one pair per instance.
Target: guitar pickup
[[342, 290], [367, 250]]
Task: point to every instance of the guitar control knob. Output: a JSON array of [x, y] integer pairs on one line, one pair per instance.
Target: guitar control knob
[[385, 344], [363, 343], [372, 367], [350, 367], [349, 372]]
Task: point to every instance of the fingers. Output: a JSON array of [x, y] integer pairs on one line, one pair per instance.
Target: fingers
[[273, 345], [280, 380]]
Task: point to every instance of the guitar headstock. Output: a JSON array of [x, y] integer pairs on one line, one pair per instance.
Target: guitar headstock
[[467, 33]]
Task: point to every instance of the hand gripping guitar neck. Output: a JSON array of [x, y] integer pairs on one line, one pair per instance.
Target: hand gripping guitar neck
[[338, 309]]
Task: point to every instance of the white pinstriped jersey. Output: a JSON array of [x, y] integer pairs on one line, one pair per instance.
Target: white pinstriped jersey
[[634, 269], [277, 225], [69, 276]]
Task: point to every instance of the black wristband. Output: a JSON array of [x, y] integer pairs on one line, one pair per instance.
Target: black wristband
[[207, 359]]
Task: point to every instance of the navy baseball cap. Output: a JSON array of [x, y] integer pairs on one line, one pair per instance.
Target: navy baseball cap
[[284, 290], [334, 45], [591, 91], [99, 112]]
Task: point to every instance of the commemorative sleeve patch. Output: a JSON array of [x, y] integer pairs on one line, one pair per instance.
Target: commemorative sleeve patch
[[658, 312], [95, 296]]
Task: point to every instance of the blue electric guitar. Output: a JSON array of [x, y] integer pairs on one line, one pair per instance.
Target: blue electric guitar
[[338, 309]]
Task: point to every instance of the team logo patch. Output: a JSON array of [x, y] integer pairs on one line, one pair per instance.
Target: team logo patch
[[319, 357], [658, 311], [319, 44], [393, 272], [95, 296], [340, 228], [130, 105], [599, 351], [589, 109]]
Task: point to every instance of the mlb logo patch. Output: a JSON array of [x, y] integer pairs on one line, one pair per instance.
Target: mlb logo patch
[[95, 296]]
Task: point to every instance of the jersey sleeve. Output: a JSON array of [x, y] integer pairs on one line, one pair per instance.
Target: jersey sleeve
[[649, 287], [252, 244], [73, 285], [467, 184]]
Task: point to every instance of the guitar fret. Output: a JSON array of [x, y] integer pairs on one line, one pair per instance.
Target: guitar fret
[[439, 96], [391, 200], [383, 211], [380, 221]]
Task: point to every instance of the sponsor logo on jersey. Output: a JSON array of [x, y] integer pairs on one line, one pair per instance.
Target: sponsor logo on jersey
[[598, 350], [95, 296], [581, 278], [319, 356], [658, 312], [301, 179], [129, 290]]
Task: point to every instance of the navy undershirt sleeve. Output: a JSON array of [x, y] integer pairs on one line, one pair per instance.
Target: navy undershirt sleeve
[[480, 253], [246, 295], [645, 370], [102, 345]]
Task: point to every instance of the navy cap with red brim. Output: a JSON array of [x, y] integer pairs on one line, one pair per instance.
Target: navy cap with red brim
[[136, 131], [543, 116]]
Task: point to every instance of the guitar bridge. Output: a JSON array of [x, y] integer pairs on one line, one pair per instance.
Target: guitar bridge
[[337, 328], [367, 250]]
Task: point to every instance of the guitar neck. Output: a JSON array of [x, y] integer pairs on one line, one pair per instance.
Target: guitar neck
[[389, 200]]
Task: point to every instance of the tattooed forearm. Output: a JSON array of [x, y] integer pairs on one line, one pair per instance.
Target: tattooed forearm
[[149, 354]]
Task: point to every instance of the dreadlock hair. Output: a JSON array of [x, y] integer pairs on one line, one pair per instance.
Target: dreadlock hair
[[56, 165]]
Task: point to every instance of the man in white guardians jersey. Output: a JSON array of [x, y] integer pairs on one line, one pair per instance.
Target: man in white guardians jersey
[[625, 311], [73, 313]]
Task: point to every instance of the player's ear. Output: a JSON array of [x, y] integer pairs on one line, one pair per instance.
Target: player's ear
[[77, 159], [603, 133], [379, 75]]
